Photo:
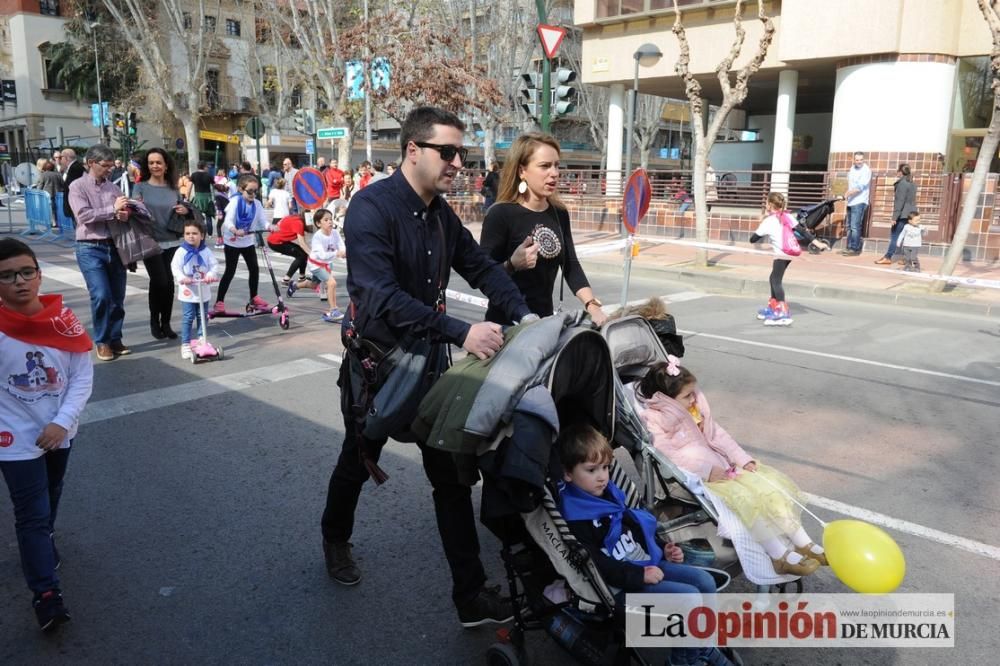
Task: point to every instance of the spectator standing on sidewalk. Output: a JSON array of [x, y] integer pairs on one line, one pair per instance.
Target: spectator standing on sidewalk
[[379, 173], [50, 182], [95, 201], [404, 241], [859, 180], [904, 202], [911, 239], [334, 181], [202, 196]]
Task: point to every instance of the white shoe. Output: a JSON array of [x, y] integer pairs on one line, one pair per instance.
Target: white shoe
[[186, 352]]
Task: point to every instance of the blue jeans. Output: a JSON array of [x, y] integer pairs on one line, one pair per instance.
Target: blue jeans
[[35, 487], [855, 218], [897, 227], [191, 317], [679, 579], [105, 277]]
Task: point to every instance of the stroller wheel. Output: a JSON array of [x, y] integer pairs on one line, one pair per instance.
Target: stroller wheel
[[283, 321], [503, 654]]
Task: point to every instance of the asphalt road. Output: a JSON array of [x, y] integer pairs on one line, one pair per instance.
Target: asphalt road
[[189, 524]]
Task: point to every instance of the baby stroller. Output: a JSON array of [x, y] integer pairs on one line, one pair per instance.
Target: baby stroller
[[809, 218], [685, 511], [554, 585]]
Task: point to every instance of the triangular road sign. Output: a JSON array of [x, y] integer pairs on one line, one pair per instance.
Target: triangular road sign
[[552, 36]]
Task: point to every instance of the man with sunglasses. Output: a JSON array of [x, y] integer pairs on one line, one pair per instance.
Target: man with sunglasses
[[403, 240], [95, 201]]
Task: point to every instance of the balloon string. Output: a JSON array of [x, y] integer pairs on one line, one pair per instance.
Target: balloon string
[[785, 493]]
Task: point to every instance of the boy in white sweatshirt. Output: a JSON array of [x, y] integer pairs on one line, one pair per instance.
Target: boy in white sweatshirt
[[46, 375], [910, 239]]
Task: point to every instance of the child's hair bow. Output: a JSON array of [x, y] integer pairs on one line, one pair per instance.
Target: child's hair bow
[[673, 365]]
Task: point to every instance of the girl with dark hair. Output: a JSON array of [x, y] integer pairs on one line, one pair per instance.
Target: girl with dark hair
[[244, 217], [904, 202], [157, 191], [681, 425]]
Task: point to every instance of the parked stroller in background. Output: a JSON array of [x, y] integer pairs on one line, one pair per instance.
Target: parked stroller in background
[[809, 218]]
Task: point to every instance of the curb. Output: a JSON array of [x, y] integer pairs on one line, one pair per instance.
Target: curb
[[730, 284]]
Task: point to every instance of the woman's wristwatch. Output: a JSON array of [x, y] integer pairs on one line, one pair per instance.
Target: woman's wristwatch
[[593, 301]]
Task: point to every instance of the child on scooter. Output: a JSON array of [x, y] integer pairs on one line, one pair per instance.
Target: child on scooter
[[193, 267], [244, 217], [682, 428]]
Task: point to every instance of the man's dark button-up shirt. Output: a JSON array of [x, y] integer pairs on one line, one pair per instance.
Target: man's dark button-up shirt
[[394, 261]]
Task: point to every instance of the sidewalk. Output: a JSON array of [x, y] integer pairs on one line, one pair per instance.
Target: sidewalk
[[744, 269]]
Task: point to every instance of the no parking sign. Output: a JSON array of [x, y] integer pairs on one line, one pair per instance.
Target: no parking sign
[[309, 188]]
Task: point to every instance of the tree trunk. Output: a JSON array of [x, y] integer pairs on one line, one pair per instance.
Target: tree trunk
[[489, 145], [970, 204], [191, 138], [700, 205]]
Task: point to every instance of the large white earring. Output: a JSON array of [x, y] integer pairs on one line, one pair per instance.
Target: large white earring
[[522, 187]]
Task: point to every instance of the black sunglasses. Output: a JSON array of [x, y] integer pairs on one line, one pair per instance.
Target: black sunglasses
[[447, 150]]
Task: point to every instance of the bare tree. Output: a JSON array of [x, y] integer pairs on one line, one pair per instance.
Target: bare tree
[[273, 72], [734, 91], [173, 46], [648, 120], [986, 152]]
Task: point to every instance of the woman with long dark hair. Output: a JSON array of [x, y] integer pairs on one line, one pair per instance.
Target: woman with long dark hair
[[904, 202], [157, 189], [528, 230]]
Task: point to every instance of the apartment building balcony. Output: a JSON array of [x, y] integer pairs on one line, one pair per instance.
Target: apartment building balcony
[[214, 102]]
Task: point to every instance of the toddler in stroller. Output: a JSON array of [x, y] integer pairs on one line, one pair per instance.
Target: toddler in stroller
[[680, 422], [622, 541]]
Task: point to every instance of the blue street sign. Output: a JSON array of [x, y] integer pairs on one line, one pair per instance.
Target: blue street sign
[[309, 188], [310, 147], [636, 201], [95, 119]]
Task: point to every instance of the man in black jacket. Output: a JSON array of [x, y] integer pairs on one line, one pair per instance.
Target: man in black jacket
[[72, 169], [403, 240]]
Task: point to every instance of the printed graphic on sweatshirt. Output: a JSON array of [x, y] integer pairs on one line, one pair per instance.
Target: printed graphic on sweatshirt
[[37, 381]]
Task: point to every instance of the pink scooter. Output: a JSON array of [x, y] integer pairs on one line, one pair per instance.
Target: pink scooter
[[202, 349]]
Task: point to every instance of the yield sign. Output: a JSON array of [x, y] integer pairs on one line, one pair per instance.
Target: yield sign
[[552, 36]]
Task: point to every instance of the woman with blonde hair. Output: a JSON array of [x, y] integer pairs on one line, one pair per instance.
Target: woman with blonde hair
[[528, 230]]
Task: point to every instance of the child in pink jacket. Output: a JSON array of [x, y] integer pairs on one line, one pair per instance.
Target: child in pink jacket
[[682, 428]]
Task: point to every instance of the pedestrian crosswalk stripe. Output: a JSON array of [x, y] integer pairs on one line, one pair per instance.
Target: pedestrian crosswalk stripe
[[145, 401], [73, 278]]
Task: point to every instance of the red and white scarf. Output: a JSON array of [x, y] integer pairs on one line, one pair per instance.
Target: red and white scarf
[[54, 326]]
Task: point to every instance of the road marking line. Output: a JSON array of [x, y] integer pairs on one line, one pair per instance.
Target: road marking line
[[904, 526], [839, 357], [333, 358], [74, 278], [679, 297], [180, 393]]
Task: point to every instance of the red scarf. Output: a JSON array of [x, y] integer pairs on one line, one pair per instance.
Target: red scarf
[[54, 326]]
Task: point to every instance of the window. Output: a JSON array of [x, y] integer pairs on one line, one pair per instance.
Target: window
[[263, 31], [296, 99], [212, 100], [210, 24], [48, 7], [321, 102], [52, 79], [270, 87], [186, 18], [232, 28]]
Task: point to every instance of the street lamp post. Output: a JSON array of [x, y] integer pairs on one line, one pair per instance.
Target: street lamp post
[[646, 55], [97, 68]]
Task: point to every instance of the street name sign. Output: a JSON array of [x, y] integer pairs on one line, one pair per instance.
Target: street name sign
[[331, 133]]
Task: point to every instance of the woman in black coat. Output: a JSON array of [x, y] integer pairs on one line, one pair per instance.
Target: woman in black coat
[[904, 202]]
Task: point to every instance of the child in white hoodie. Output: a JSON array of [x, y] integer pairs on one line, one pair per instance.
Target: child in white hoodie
[[910, 239], [193, 267]]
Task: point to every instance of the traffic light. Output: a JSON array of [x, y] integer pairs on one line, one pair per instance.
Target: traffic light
[[133, 124], [119, 122], [562, 94], [305, 121], [532, 95]]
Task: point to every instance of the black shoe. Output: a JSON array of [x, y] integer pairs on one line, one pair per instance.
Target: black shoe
[[50, 611], [154, 328], [487, 608], [340, 564], [168, 332], [119, 348]]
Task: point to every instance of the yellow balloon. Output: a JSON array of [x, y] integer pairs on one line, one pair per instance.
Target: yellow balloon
[[863, 557]]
